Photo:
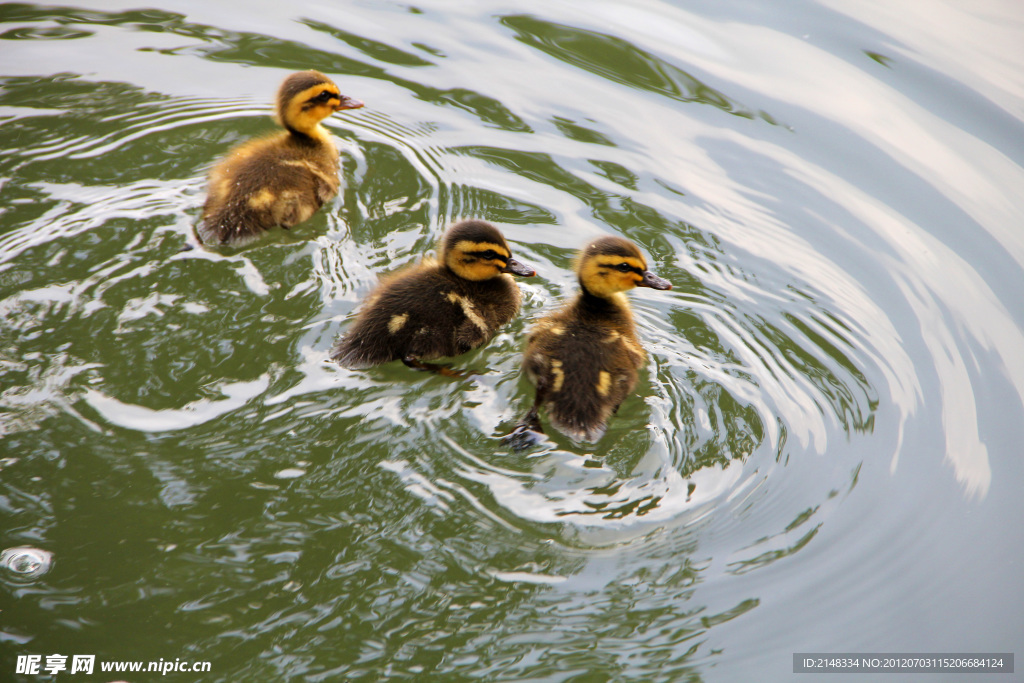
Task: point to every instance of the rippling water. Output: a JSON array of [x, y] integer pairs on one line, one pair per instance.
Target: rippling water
[[823, 452]]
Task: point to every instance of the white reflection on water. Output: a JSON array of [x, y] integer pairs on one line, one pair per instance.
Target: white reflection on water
[[566, 488], [933, 279], [964, 169], [977, 43], [195, 413], [568, 494], [946, 293], [527, 577], [94, 207], [26, 407]]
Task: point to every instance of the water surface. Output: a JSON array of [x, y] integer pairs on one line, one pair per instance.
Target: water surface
[[822, 453]]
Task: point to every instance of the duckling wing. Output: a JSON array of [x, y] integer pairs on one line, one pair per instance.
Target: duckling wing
[[485, 307], [263, 184]]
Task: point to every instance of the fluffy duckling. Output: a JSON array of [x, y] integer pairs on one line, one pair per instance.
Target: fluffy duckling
[[438, 308], [282, 179], [584, 357]]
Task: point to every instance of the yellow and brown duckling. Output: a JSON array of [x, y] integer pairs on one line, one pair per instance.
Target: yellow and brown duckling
[[438, 309], [284, 178], [584, 357]]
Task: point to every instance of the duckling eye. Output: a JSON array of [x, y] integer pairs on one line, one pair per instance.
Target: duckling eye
[[624, 267], [489, 255], [323, 97]]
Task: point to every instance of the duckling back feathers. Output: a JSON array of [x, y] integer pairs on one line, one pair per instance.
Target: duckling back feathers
[[281, 179], [584, 358], [438, 308], [584, 361]]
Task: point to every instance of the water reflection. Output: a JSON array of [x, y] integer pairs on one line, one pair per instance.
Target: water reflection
[[845, 319], [619, 60]]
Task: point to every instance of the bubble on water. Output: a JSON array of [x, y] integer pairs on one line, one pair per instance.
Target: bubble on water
[[26, 563]]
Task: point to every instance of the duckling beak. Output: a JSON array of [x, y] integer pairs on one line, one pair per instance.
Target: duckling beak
[[654, 282], [346, 102], [516, 268]]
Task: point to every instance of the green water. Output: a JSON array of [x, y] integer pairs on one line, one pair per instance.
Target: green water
[[821, 455]]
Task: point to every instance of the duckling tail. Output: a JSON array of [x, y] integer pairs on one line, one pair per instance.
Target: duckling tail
[[350, 355], [578, 417], [578, 431], [235, 230]]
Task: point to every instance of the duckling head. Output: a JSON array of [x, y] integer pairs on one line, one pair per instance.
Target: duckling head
[[308, 97], [610, 265], [475, 250]]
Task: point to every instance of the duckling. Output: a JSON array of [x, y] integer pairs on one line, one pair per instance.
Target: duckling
[[438, 308], [282, 179], [584, 357]]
